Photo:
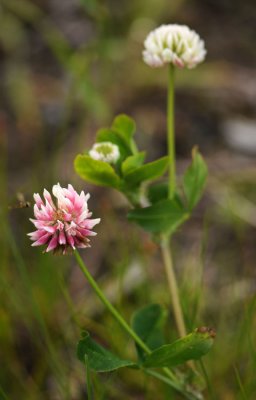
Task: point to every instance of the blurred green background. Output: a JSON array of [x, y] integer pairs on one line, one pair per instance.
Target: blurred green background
[[67, 67]]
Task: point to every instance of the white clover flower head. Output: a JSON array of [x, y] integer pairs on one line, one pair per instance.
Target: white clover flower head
[[105, 151], [173, 44]]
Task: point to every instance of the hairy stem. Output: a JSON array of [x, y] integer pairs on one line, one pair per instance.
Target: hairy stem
[[165, 247], [108, 305], [170, 132], [173, 287]]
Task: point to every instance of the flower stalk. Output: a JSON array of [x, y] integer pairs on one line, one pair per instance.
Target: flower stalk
[[170, 132], [165, 246], [173, 287], [108, 305]]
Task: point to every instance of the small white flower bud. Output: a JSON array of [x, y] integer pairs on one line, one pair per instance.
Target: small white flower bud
[[105, 151], [173, 44]]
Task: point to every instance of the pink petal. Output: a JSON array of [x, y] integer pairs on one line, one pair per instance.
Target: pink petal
[[43, 240], [85, 232], [90, 223], [71, 241], [38, 199], [52, 244], [48, 198], [59, 225], [67, 216], [83, 245], [36, 235], [84, 197], [82, 216], [62, 238], [49, 228], [38, 224]]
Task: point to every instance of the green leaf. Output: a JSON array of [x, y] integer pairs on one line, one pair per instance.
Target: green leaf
[[191, 347], [157, 192], [98, 358], [97, 172], [195, 178], [109, 135], [148, 323], [146, 172], [133, 162], [162, 217], [125, 126], [160, 191]]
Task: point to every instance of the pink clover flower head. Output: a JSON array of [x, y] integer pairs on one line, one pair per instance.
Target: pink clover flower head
[[64, 223]]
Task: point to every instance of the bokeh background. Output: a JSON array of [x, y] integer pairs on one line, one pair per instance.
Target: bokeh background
[[67, 67]]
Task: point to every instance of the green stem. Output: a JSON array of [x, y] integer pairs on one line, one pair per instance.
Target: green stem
[[166, 252], [188, 395], [241, 387], [108, 305], [88, 380], [118, 317], [207, 380], [161, 378], [173, 287], [170, 131]]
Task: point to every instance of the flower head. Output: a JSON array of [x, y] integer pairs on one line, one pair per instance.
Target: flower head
[[62, 223], [173, 44], [105, 151]]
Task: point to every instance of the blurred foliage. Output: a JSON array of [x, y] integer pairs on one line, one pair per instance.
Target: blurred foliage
[[67, 67]]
